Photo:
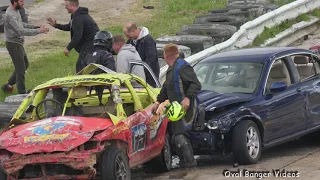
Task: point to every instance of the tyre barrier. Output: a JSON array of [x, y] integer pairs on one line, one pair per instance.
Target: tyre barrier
[[15, 98], [218, 24], [234, 7], [162, 62], [218, 19], [7, 110], [2, 14], [183, 50], [196, 43], [218, 32]]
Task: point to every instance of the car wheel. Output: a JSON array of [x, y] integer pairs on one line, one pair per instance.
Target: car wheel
[[246, 142], [115, 165], [163, 162]]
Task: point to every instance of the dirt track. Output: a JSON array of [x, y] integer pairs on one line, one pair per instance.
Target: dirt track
[[101, 10]]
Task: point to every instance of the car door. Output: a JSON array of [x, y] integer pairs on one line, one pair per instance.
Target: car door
[[146, 68], [308, 69], [137, 122], [284, 109], [147, 129]]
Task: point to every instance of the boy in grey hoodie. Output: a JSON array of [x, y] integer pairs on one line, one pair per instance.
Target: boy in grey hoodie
[[125, 53]]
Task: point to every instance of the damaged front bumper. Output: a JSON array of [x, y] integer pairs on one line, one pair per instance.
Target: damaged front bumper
[[78, 161]]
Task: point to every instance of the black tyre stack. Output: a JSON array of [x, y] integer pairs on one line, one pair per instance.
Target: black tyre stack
[[217, 26], [2, 13]]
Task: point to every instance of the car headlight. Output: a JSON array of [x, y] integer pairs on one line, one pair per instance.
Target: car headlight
[[212, 124]]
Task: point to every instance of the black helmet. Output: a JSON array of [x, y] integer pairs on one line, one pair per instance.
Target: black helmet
[[103, 38]]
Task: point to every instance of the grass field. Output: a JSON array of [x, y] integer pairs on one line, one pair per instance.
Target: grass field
[[167, 17], [273, 31]]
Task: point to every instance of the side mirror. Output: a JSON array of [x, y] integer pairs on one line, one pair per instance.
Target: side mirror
[[278, 86]]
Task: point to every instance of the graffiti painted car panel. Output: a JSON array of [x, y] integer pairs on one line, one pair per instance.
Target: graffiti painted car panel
[[81, 127]]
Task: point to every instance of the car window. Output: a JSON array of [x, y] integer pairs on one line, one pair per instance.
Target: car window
[[316, 61], [278, 73], [229, 77], [202, 73], [304, 65]]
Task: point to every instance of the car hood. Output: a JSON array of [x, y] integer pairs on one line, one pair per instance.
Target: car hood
[[53, 134], [212, 100]]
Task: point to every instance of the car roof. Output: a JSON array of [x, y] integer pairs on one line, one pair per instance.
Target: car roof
[[263, 54], [88, 80]]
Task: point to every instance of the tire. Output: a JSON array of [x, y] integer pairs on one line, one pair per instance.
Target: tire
[[196, 43], [252, 13], [219, 10], [163, 162], [219, 32], [110, 160], [223, 19], [2, 22], [162, 62], [15, 98], [243, 6], [239, 142], [183, 50], [7, 110], [233, 7]]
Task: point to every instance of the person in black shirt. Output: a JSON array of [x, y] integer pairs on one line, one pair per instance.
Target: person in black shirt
[[82, 28], [146, 47], [103, 42], [181, 85]]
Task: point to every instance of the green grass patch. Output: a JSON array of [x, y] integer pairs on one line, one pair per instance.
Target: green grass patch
[[38, 1], [51, 66], [2, 44], [281, 2], [114, 29], [303, 17], [316, 13], [273, 31]]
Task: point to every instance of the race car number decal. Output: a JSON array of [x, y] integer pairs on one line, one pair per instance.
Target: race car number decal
[[139, 136], [120, 129]]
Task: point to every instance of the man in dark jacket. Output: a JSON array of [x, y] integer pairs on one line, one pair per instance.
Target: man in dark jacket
[[103, 41], [146, 47], [181, 85], [83, 29]]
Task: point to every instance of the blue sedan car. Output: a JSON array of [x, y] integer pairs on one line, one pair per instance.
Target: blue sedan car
[[255, 98]]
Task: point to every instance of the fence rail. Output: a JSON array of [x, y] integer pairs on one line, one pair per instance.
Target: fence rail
[[250, 30]]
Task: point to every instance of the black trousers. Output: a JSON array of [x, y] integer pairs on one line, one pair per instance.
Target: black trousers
[[21, 63]]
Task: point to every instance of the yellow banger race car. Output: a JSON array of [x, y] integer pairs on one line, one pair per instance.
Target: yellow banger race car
[[84, 127]]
